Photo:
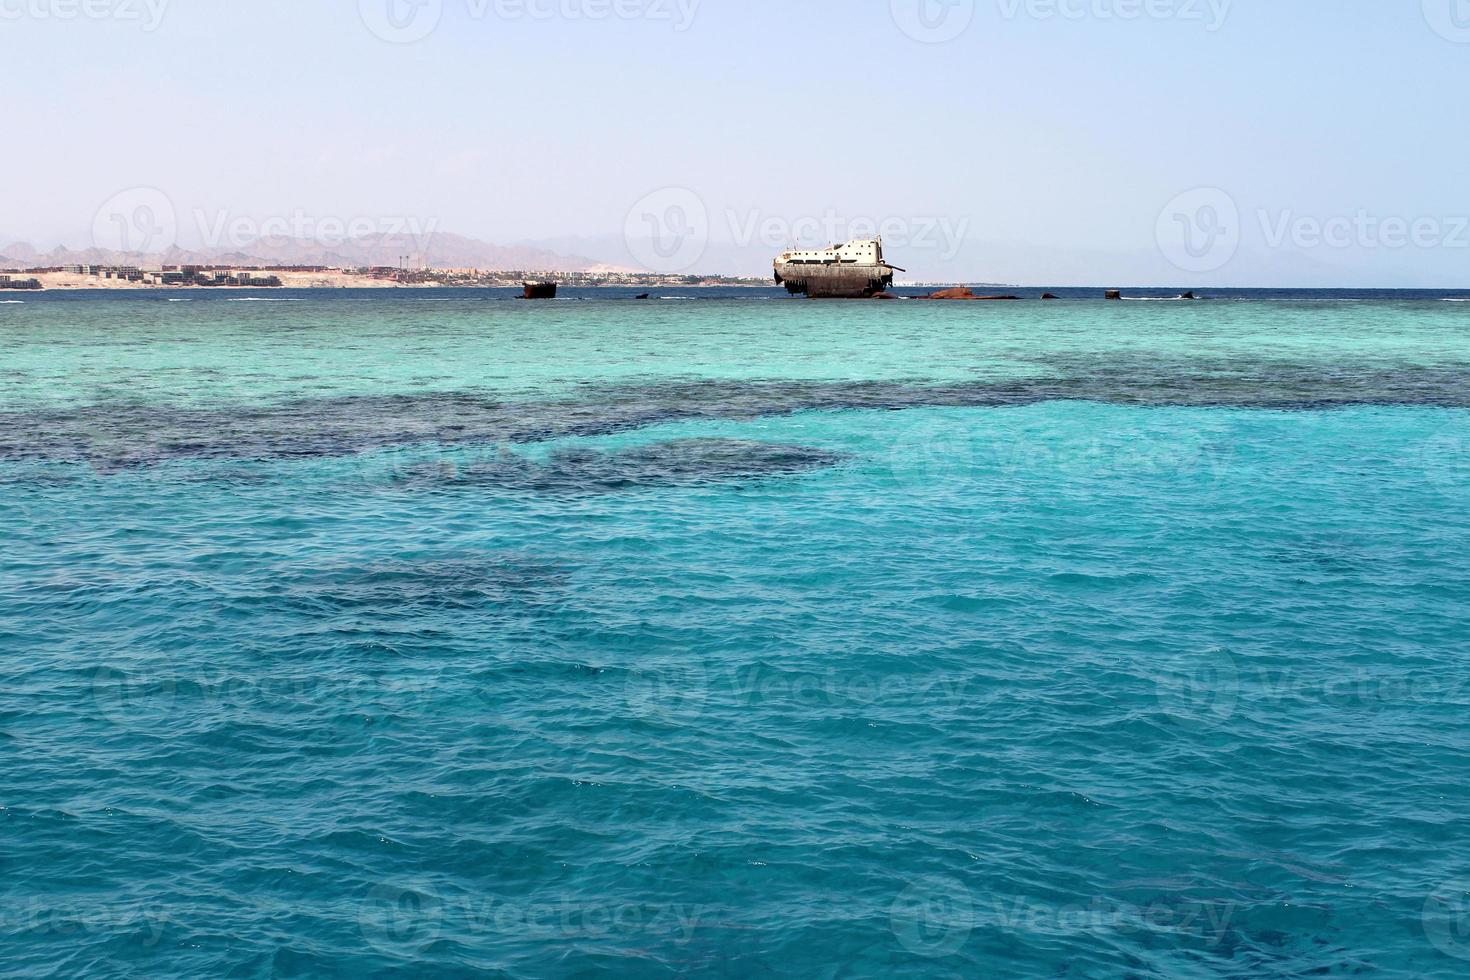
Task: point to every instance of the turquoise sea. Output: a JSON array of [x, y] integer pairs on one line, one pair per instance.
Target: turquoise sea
[[726, 634]]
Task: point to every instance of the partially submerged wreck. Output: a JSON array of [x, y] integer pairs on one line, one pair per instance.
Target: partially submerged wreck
[[540, 290], [855, 270]]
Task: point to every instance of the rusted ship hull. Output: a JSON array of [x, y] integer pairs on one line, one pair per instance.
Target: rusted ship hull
[[540, 290], [834, 281]]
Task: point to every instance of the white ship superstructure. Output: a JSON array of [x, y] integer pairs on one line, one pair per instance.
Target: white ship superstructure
[[854, 269]]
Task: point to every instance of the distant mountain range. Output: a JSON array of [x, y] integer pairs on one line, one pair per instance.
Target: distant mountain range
[[438, 250]]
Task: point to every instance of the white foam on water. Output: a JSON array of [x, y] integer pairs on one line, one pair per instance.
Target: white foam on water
[[12, 302]]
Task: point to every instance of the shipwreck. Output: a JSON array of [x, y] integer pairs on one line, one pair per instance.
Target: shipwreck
[[855, 270]]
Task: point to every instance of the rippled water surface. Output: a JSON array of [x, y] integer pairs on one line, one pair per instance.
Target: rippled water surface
[[444, 635]]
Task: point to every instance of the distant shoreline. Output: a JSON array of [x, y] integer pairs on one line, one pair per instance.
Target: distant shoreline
[[78, 284], [71, 281]]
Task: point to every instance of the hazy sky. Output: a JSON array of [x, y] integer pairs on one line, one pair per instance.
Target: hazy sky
[[1063, 125]]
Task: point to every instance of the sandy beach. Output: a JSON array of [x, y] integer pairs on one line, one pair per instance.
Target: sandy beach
[[289, 280]]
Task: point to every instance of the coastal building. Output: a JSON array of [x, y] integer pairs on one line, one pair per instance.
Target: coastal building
[[191, 275]]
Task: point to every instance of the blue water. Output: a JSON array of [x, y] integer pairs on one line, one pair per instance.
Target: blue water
[[429, 635]]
